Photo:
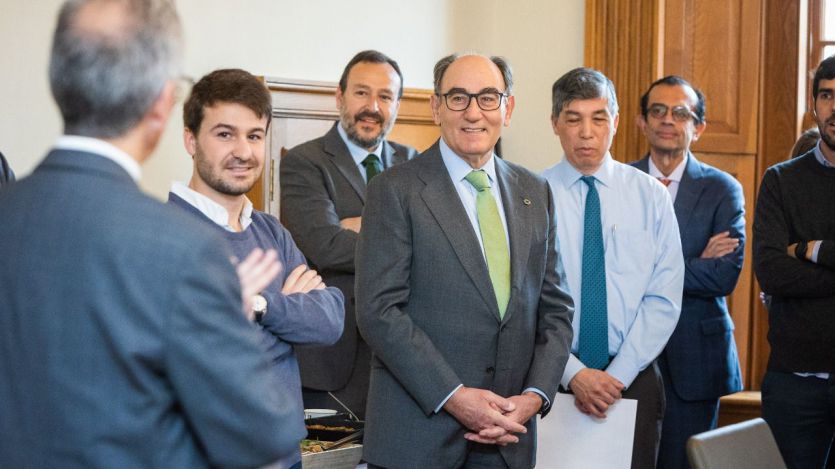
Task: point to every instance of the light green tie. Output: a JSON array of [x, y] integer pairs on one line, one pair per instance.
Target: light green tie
[[493, 237]]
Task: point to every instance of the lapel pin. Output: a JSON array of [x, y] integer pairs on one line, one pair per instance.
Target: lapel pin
[[526, 201]]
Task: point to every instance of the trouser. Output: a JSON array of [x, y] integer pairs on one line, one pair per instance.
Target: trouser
[[801, 414], [648, 390], [682, 419]]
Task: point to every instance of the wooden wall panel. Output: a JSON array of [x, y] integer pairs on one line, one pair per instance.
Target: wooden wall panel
[[716, 44], [622, 42]]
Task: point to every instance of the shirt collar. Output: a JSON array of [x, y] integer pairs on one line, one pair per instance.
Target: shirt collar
[[568, 174], [677, 173], [458, 168], [819, 156], [213, 210], [100, 147], [357, 152]]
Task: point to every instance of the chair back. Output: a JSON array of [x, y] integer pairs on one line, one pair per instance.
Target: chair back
[[744, 445]]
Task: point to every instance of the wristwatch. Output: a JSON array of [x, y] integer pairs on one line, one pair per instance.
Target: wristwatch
[[800, 250], [259, 307]]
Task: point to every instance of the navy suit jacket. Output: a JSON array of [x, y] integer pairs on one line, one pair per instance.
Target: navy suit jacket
[[122, 340], [701, 353]]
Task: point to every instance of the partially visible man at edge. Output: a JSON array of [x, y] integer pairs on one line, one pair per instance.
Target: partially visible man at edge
[[226, 119], [323, 185], [794, 260], [710, 211], [122, 337]]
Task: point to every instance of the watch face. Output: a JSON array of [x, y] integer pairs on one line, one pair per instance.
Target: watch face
[[259, 304]]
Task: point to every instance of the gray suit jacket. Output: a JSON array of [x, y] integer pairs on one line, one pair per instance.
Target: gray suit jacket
[[426, 306], [122, 342], [320, 185]]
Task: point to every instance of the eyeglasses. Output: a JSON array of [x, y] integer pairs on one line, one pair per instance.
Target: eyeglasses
[[680, 113], [486, 100]]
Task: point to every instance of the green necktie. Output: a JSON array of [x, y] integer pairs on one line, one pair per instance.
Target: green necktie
[[493, 237], [372, 166]]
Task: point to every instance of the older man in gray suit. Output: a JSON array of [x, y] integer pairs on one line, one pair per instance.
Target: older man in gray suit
[[322, 195], [457, 290], [122, 337]]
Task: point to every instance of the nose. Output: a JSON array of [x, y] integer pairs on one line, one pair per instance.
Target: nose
[[242, 149], [472, 111], [585, 128]]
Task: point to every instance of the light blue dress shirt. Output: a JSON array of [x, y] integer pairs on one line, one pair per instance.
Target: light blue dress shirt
[[644, 263], [359, 153], [458, 169]]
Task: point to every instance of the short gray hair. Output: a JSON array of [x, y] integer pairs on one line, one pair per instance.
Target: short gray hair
[[582, 83], [105, 81], [501, 63]]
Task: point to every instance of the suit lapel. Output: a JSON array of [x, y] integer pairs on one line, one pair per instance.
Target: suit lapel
[[392, 155], [443, 201], [689, 191], [517, 212], [341, 158]]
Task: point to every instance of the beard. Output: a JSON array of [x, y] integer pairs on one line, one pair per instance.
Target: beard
[[826, 137], [349, 124], [215, 180]]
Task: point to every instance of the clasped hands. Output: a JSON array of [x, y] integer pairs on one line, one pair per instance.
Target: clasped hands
[[594, 391], [492, 419]]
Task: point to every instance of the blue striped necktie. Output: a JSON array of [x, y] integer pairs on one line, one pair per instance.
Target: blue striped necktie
[[594, 321]]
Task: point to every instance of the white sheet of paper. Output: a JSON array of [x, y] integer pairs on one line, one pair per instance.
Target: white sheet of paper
[[570, 439]]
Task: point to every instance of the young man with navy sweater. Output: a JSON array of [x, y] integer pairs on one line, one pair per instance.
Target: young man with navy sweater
[[226, 119]]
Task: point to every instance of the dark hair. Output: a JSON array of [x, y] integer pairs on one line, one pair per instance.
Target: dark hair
[[825, 71], [502, 63], [104, 79], [675, 80], [807, 140], [231, 85], [374, 57], [582, 83]]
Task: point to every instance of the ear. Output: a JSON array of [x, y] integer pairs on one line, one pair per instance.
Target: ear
[[189, 141], [511, 104], [554, 121], [159, 112], [339, 97], [699, 129], [615, 124], [435, 104], [641, 122]]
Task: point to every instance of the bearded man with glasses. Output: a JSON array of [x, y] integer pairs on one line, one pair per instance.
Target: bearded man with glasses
[[699, 363]]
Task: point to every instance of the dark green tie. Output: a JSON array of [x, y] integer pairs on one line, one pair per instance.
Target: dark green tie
[[493, 237], [372, 166]]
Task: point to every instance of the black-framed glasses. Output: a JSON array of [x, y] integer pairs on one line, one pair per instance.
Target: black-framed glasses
[[486, 100], [680, 113]]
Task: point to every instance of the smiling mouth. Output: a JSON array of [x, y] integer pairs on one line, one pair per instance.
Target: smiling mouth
[[467, 130]]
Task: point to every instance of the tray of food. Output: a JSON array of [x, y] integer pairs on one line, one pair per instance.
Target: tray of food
[[344, 457], [332, 428]]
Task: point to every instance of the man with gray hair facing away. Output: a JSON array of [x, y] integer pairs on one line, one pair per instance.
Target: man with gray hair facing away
[[623, 262], [123, 340]]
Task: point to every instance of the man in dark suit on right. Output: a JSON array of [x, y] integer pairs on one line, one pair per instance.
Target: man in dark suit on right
[[322, 196], [123, 339], [699, 363]]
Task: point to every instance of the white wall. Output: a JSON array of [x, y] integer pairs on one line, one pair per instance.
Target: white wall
[[308, 40], [542, 40]]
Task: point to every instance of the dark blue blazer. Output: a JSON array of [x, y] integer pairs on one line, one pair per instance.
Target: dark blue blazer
[[701, 353], [122, 341]]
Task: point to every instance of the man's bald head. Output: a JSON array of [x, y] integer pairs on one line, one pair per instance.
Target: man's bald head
[[110, 61]]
